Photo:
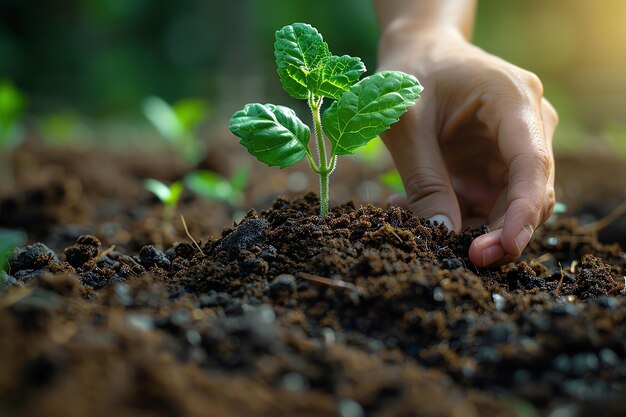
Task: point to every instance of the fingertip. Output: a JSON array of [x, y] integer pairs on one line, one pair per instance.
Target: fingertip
[[486, 250], [522, 239]]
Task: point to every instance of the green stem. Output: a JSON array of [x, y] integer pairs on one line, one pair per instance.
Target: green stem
[[325, 168], [168, 214], [319, 135], [324, 194]]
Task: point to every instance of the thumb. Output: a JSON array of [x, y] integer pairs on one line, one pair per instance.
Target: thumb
[[418, 158]]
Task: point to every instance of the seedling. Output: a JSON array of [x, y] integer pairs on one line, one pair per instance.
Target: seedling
[[178, 123], [169, 196], [12, 105], [308, 71], [213, 186]]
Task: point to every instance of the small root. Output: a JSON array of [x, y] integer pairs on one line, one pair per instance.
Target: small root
[[595, 227]]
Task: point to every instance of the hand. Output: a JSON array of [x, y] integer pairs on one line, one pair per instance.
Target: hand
[[477, 147]]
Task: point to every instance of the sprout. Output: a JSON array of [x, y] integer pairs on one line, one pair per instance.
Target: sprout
[[169, 196], [308, 71]]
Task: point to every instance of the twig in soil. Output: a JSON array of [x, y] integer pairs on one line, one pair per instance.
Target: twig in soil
[[106, 252], [182, 219], [600, 224], [330, 282], [557, 291]]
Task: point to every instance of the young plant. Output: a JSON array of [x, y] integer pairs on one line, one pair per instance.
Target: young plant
[[308, 71], [12, 105], [213, 186], [169, 196], [178, 123]]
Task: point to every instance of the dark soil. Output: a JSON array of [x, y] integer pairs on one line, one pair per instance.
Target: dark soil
[[365, 312]]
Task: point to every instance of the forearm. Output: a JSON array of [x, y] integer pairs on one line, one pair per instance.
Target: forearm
[[408, 16]]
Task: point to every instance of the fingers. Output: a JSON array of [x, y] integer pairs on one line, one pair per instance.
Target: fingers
[[487, 249], [550, 120], [526, 148], [416, 153], [525, 139]]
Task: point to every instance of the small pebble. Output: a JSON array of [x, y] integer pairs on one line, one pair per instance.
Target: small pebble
[[283, 286], [294, 381], [350, 408], [140, 321], [438, 294], [499, 301]]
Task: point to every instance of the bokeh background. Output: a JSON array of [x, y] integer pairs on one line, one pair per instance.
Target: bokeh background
[[86, 66]]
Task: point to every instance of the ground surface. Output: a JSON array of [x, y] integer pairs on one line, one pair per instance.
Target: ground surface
[[366, 312]]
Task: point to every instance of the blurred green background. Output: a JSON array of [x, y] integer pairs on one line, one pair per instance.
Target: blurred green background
[[91, 62]]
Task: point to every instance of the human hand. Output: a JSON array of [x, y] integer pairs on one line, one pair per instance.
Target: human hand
[[477, 147]]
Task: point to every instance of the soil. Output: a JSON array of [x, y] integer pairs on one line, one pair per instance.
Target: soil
[[365, 312]]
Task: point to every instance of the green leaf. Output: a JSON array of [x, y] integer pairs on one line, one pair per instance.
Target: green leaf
[[12, 104], [157, 188], [299, 49], [335, 75], [209, 185], [369, 108], [164, 118], [273, 134], [168, 195], [176, 189], [190, 112]]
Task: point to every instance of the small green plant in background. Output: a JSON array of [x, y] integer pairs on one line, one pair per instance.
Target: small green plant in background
[[9, 240], [372, 153], [167, 194], [12, 106], [393, 180], [308, 71], [62, 127], [178, 123], [213, 186]]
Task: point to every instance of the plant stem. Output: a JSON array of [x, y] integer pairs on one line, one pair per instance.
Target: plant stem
[[324, 194], [168, 214], [325, 169]]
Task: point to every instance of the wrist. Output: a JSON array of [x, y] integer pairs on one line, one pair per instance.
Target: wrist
[[404, 40], [407, 29], [404, 32]]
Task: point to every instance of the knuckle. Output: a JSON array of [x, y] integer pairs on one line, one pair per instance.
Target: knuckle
[[551, 112], [423, 182], [532, 82], [530, 208], [544, 161], [518, 85]]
